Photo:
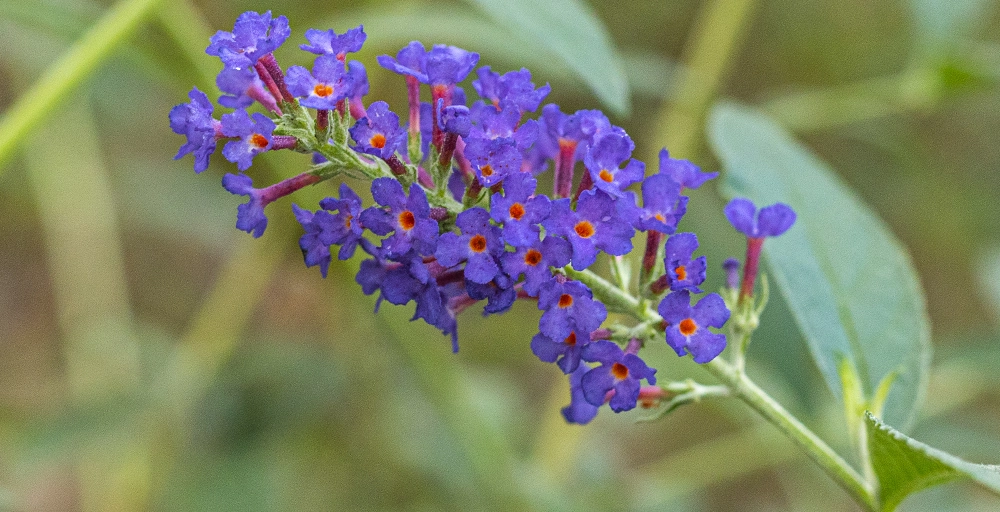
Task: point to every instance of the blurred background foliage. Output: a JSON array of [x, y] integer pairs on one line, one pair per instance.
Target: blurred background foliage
[[154, 358]]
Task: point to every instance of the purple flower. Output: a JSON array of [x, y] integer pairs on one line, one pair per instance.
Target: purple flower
[[603, 158], [318, 237], [493, 159], [499, 293], [596, 224], [683, 272], [194, 120], [250, 215], [535, 262], [327, 42], [663, 204], [322, 229], [492, 123], [732, 268], [479, 245], [685, 173], [254, 35], [514, 87], [495, 145], [687, 327], [569, 308], [408, 62], [770, 221], [379, 132], [322, 89], [235, 82], [408, 219], [619, 371], [448, 65], [566, 351], [579, 410], [396, 282], [519, 210], [254, 134], [558, 131], [454, 119], [357, 87]]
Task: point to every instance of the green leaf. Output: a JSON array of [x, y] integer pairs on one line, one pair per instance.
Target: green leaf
[[904, 466], [849, 283], [571, 30]]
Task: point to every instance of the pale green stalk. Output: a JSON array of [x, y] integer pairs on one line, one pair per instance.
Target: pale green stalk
[[58, 81]]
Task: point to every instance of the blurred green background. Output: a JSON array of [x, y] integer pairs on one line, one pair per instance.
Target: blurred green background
[[154, 358]]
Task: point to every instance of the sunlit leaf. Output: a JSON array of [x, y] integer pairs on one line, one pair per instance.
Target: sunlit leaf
[[849, 283], [904, 466]]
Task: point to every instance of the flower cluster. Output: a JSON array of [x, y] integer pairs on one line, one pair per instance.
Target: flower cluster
[[458, 216]]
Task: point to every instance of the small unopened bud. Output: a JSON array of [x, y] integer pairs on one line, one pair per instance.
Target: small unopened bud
[[732, 268]]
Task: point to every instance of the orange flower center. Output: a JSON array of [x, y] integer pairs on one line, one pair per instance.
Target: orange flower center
[[377, 141], [659, 217], [619, 370], [406, 220], [477, 243], [516, 211], [258, 140], [347, 221], [322, 90], [532, 257], [565, 300], [682, 273], [688, 326], [606, 176], [584, 229], [486, 170], [571, 339]]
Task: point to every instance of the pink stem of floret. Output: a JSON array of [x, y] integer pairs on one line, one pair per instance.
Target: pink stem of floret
[[750, 269]]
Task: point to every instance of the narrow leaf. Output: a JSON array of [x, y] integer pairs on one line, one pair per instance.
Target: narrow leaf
[[572, 32], [904, 466], [849, 283]]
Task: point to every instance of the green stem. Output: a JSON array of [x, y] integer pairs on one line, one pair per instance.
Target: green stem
[[55, 84], [707, 55], [815, 448], [746, 390]]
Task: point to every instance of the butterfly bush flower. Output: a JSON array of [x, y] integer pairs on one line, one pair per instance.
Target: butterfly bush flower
[[579, 410], [620, 371], [379, 133], [594, 225], [770, 221], [254, 35], [243, 87], [604, 158], [436, 237], [519, 210], [535, 262], [254, 133], [684, 271], [685, 173], [406, 218], [250, 215], [687, 326], [324, 87], [323, 229], [328, 42], [514, 87], [569, 308], [194, 120], [662, 205], [479, 245]]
